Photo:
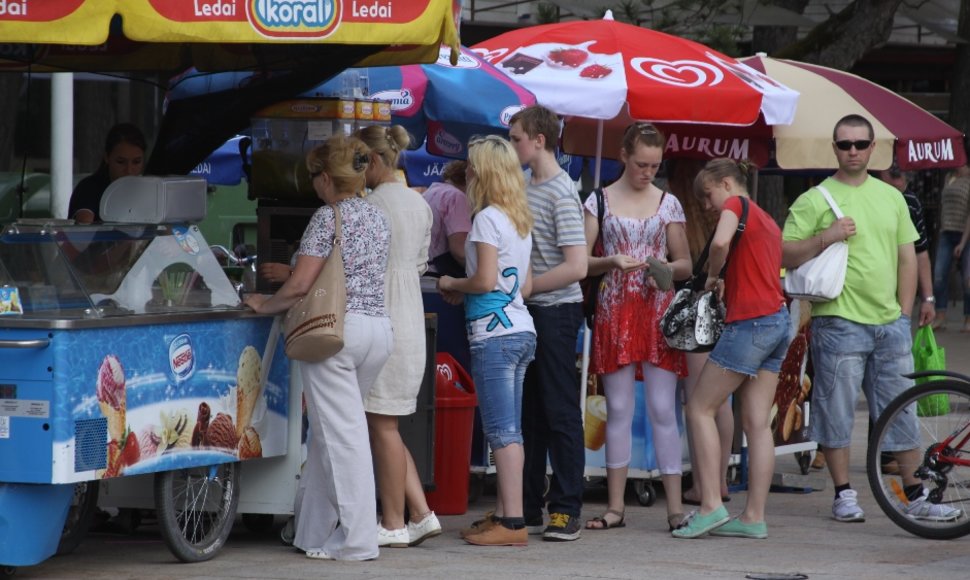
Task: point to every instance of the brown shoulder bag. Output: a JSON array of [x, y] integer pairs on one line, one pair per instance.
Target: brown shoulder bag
[[313, 329]]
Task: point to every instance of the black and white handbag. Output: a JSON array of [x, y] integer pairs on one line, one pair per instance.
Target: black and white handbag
[[694, 319]]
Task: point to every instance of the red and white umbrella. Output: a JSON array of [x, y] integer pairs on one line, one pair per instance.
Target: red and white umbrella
[[920, 140], [592, 68], [597, 69]]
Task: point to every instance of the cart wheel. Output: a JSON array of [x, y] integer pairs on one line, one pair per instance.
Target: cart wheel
[[7, 571], [258, 523], [196, 508], [804, 461], [645, 492], [79, 515], [288, 533]]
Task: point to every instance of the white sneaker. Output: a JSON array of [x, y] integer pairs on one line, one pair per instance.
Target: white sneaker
[[427, 528], [392, 538], [846, 508], [922, 509]]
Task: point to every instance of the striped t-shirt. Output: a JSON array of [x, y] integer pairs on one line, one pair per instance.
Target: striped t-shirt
[[558, 217]]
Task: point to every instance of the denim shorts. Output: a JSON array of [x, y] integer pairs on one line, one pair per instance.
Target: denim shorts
[[748, 346], [848, 356], [498, 368]]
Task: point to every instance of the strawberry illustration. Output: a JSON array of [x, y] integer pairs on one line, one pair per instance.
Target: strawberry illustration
[[595, 71], [130, 452], [571, 57]]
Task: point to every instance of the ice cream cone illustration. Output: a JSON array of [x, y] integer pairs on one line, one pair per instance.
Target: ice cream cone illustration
[[111, 395], [248, 388], [594, 428]]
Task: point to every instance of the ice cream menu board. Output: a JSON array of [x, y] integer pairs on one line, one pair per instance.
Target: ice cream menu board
[[167, 396]]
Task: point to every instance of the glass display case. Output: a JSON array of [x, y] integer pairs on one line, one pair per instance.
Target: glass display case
[[110, 270]]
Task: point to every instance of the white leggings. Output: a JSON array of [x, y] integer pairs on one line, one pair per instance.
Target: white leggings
[[660, 388]]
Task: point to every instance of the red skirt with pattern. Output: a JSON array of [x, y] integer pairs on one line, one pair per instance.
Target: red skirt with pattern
[[627, 329]]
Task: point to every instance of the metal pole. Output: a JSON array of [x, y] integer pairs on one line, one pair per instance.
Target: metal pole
[[62, 142]]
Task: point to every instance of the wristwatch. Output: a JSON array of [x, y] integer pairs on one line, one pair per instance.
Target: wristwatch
[[930, 299]]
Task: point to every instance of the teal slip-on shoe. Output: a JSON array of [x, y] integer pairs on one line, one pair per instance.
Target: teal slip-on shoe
[[697, 524], [738, 529]]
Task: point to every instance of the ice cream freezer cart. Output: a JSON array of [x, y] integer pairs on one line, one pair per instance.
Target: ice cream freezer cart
[[125, 356]]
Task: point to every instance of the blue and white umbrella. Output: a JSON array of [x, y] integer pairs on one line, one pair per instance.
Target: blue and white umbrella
[[228, 164]]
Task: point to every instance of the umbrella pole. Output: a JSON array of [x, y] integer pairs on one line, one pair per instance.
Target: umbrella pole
[[587, 331], [599, 153]]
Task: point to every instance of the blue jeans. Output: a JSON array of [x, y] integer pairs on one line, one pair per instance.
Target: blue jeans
[[941, 270], [848, 356], [747, 346], [498, 368], [552, 420]]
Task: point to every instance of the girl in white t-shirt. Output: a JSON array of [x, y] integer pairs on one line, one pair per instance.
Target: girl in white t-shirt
[[500, 329]]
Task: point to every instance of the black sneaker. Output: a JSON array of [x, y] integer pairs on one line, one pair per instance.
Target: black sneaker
[[534, 527], [562, 528]]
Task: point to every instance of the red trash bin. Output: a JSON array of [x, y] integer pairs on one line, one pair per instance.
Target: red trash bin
[[455, 403]]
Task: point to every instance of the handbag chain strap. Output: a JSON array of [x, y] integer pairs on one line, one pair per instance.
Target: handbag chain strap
[[702, 260]]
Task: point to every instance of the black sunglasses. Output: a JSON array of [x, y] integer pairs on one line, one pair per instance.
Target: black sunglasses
[[859, 145]]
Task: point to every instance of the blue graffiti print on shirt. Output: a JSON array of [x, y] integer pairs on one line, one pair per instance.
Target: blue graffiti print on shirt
[[479, 306]]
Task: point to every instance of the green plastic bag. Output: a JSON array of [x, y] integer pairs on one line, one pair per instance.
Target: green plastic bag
[[927, 356]]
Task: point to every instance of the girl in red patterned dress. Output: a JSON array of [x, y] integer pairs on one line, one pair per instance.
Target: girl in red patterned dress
[[641, 223]]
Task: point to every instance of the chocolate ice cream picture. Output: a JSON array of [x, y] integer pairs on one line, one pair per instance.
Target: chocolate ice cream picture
[[201, 425]]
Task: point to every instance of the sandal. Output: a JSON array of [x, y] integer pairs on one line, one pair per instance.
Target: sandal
[[603, 524]]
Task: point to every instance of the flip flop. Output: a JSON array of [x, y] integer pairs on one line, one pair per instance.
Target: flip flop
[[604, 524], [662, 273]]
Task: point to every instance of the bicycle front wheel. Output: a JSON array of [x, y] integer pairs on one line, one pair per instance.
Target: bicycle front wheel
[[938, 458], [196, 508]]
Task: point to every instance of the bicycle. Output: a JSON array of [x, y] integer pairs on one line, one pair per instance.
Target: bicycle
[[942, 465]]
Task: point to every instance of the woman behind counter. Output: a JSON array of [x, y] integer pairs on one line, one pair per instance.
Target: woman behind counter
[[395, 393], [336, 516], [124, 154]]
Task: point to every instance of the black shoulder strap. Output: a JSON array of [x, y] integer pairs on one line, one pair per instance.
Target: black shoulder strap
[[702, 260]]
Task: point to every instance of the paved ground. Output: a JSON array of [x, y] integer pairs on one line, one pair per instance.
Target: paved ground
[[802, 539]]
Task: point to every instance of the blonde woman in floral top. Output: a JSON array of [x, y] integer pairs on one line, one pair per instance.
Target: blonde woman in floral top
[[337, 486]]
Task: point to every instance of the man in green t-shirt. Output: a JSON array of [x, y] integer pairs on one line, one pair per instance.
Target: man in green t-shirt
[[862, 339]]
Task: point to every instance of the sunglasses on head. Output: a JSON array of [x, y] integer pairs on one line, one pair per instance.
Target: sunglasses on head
[[859, 145]]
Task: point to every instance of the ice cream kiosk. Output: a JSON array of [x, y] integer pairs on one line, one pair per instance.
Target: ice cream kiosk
[[125, 354]]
